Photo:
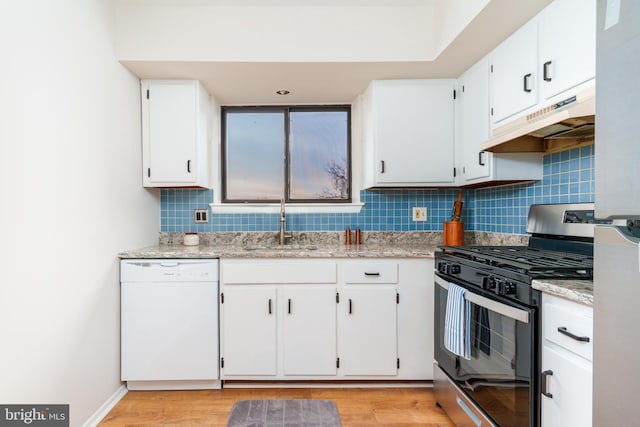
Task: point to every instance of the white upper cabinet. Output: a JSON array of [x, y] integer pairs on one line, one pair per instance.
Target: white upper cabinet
[[549, 55], [176, 120], [567, 45], [472, 124], [514, 85], [409, 133]]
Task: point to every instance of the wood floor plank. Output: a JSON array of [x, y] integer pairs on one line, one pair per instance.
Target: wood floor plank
[[392, 407]]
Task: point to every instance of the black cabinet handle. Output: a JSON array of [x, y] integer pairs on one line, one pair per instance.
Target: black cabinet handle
[[189, 166], [350, 307], [543, 383], [545, 71], [371, 274], [525, 82], [270, 311], [381, 166], [480, 162], [563, 331], [289, 306]]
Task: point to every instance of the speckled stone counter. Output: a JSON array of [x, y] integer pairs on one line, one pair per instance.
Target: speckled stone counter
[[311, 245], [574, 290], [301, 245], [287, 251]]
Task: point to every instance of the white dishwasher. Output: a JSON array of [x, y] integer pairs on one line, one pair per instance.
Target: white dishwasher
[[169, 329]]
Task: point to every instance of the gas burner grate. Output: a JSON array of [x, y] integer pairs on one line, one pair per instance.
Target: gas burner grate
[[527, 260]]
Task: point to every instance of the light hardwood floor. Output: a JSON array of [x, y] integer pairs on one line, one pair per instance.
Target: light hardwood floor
[[356, 406]]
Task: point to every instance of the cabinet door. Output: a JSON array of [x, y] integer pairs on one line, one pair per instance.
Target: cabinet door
[[248, 340], [570, 387], [369, 340], [473, 125], [171, 132], [415, 319], [513, 77], [414, 131], [309, 330], [567, 47]]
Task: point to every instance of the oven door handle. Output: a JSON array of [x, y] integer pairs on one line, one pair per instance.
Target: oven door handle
[[489, 304]]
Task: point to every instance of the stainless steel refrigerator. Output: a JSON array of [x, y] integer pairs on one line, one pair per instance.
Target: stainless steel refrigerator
[[616, 361]]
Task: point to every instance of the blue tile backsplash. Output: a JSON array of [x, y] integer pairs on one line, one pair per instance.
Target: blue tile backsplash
[[568, 178], [383, 210]]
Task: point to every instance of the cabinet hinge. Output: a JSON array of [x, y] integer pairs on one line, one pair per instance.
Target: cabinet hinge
[[337, 297], [222, 362], [222, 298], [147, 93], [397, 298], [398, 363], [337, 362], [454, 94]]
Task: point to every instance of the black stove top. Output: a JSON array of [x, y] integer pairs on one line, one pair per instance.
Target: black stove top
[[533, 262]]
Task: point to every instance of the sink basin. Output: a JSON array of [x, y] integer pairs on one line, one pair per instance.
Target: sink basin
[[280, 248]]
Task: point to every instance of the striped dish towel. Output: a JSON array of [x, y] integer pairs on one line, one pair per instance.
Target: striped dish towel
[[457, 322]]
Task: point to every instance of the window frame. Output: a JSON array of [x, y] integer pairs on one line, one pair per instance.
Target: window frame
[[287, 110]]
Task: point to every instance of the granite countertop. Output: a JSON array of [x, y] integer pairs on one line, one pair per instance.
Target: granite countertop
[[580, 291], [375, 244], [425, 250]]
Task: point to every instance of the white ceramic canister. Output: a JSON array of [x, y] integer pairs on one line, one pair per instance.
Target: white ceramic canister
[[191, 239]]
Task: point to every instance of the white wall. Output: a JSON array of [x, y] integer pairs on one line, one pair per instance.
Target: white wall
[[194, 31], [72, 197], [452, 17]]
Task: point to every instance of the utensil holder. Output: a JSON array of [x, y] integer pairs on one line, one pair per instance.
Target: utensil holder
[[453, 233]]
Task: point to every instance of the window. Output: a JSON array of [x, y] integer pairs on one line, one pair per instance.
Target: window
[[301, 154]]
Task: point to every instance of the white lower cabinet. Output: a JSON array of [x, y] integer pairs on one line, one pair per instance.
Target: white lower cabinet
[[567, 367], [249, 330], [326, 319], [308, 329], [369, 330]]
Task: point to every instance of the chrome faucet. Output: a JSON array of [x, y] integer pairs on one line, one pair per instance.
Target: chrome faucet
[[283, 219]]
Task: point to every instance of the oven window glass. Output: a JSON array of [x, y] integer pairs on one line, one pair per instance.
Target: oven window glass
[[499, 376]]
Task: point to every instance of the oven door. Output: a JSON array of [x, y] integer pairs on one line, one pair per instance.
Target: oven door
[[500, 377]]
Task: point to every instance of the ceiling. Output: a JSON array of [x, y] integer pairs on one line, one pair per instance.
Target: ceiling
[[254, 82]]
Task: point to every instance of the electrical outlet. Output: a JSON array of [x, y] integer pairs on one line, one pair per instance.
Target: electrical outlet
[[419, 214], [200, 216]]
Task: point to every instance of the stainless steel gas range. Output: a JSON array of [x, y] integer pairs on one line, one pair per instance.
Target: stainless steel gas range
[[486, 307]]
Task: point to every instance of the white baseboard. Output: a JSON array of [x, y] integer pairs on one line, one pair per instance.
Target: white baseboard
[[327, 384], [107, 406]]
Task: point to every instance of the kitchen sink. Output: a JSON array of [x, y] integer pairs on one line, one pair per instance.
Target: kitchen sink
[[280, 248]]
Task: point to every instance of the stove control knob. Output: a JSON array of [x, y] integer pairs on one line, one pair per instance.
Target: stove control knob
[[505, 288], [442, 267], [510, 288], [455, 269], [488, 282]]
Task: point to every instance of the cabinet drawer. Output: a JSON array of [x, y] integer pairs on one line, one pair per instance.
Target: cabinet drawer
[[371, 272], [277, 272], [561, 320]]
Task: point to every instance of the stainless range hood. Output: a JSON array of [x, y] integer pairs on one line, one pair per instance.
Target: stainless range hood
[[565, 123]]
